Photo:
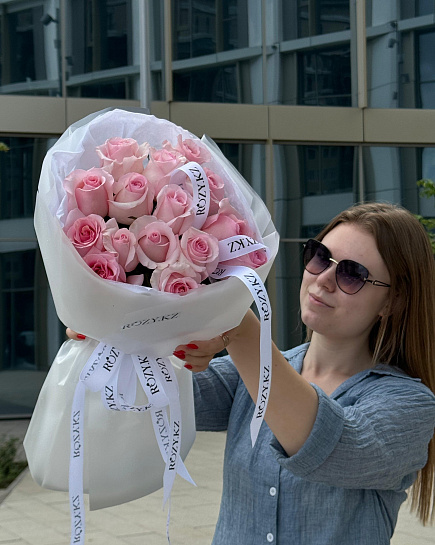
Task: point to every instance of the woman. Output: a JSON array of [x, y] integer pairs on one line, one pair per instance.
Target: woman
[[349, 421]]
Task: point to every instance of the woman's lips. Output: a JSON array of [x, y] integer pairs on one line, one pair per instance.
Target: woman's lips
[[318, 300]]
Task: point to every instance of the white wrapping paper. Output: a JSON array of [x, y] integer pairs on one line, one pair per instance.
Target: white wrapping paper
[[122, 459]]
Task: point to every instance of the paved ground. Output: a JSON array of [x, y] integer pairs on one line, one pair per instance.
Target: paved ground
[[31, 515]]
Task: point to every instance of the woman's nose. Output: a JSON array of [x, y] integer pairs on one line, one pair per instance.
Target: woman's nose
[[327, 277]]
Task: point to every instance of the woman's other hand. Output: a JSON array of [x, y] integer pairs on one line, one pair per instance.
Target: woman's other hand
[[74, 335]]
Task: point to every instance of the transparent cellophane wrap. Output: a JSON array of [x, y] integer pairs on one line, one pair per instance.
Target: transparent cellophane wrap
[[122, 457]]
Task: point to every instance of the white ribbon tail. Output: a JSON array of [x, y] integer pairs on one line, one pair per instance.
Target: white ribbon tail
[[164, 367], [77, 506], [258, 291], [161, 427], [113, 374]]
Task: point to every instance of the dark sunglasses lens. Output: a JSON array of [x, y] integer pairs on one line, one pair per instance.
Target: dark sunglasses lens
[[316, 257], [351, 276]]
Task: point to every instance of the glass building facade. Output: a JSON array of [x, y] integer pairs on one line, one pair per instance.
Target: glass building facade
[[318, 103]]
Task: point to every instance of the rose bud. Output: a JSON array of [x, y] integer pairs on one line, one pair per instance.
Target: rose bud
[[200, 250], [226, 223], [192, 150], [217, 190], [253, 260], [178, 278], [121, 155], [122, 243], [106, 265], [133, 198], [161, 164], [85, 232], [174, 206], [157, 246], [89, 191]]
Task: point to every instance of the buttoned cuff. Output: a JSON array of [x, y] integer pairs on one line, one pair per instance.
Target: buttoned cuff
[[324, 436]]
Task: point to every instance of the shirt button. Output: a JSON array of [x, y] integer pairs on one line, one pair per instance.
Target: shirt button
[[269, 537], [272, 491]]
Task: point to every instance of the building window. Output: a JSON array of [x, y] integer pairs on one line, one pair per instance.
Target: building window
[[303, 18], [214, 84], [17, 289], [205, 27], [156, 30], [28, 338], [19, 175], [325, 77], [415, 8], [250, 161], [101, 34], [326, 169], [24, 361], [426, 70], [313, 183], [22, 46], [120, 88]]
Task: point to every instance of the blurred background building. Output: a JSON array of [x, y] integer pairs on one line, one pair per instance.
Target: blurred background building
[[318, 103]]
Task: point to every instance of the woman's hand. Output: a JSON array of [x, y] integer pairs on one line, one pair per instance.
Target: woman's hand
[[198, 354], [74, 335]]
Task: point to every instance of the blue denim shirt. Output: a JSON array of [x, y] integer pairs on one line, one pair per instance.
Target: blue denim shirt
[[347, 482]]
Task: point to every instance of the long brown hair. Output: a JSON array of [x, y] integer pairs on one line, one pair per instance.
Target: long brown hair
[[405, 336]]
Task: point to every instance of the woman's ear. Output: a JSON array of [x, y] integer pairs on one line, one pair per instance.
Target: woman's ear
[[392, 305], [385, 310]]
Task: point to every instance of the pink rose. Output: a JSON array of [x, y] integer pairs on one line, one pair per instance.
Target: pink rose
[[85, 232], [253, 260], [135, 279], [161, 164], [200, 250], [174, 206], [133, 198], [157, 246], [121, 155], [121, 243], [226, 223], [89, 191], [177, 278], [105, 265], [192, 150], [217, 190]]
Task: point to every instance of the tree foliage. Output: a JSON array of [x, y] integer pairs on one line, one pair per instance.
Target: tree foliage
[[428, 190]]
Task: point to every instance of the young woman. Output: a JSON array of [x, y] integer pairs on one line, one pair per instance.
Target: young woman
[[350, 421]]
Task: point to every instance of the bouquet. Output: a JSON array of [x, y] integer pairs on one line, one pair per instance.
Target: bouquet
[[137, 219]]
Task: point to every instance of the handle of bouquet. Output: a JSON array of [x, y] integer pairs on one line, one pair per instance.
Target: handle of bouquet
[[255, 285]]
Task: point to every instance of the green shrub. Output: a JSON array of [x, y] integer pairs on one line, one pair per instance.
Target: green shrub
[[428, 190], [9, 467]]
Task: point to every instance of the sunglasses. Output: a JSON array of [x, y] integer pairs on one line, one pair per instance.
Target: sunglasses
[[349, 275]]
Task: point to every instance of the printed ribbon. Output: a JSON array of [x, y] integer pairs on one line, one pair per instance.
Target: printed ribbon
[[235, 247], [200, 187], [115, 375]]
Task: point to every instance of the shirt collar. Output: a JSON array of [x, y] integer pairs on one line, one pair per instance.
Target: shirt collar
[[296, 359]]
